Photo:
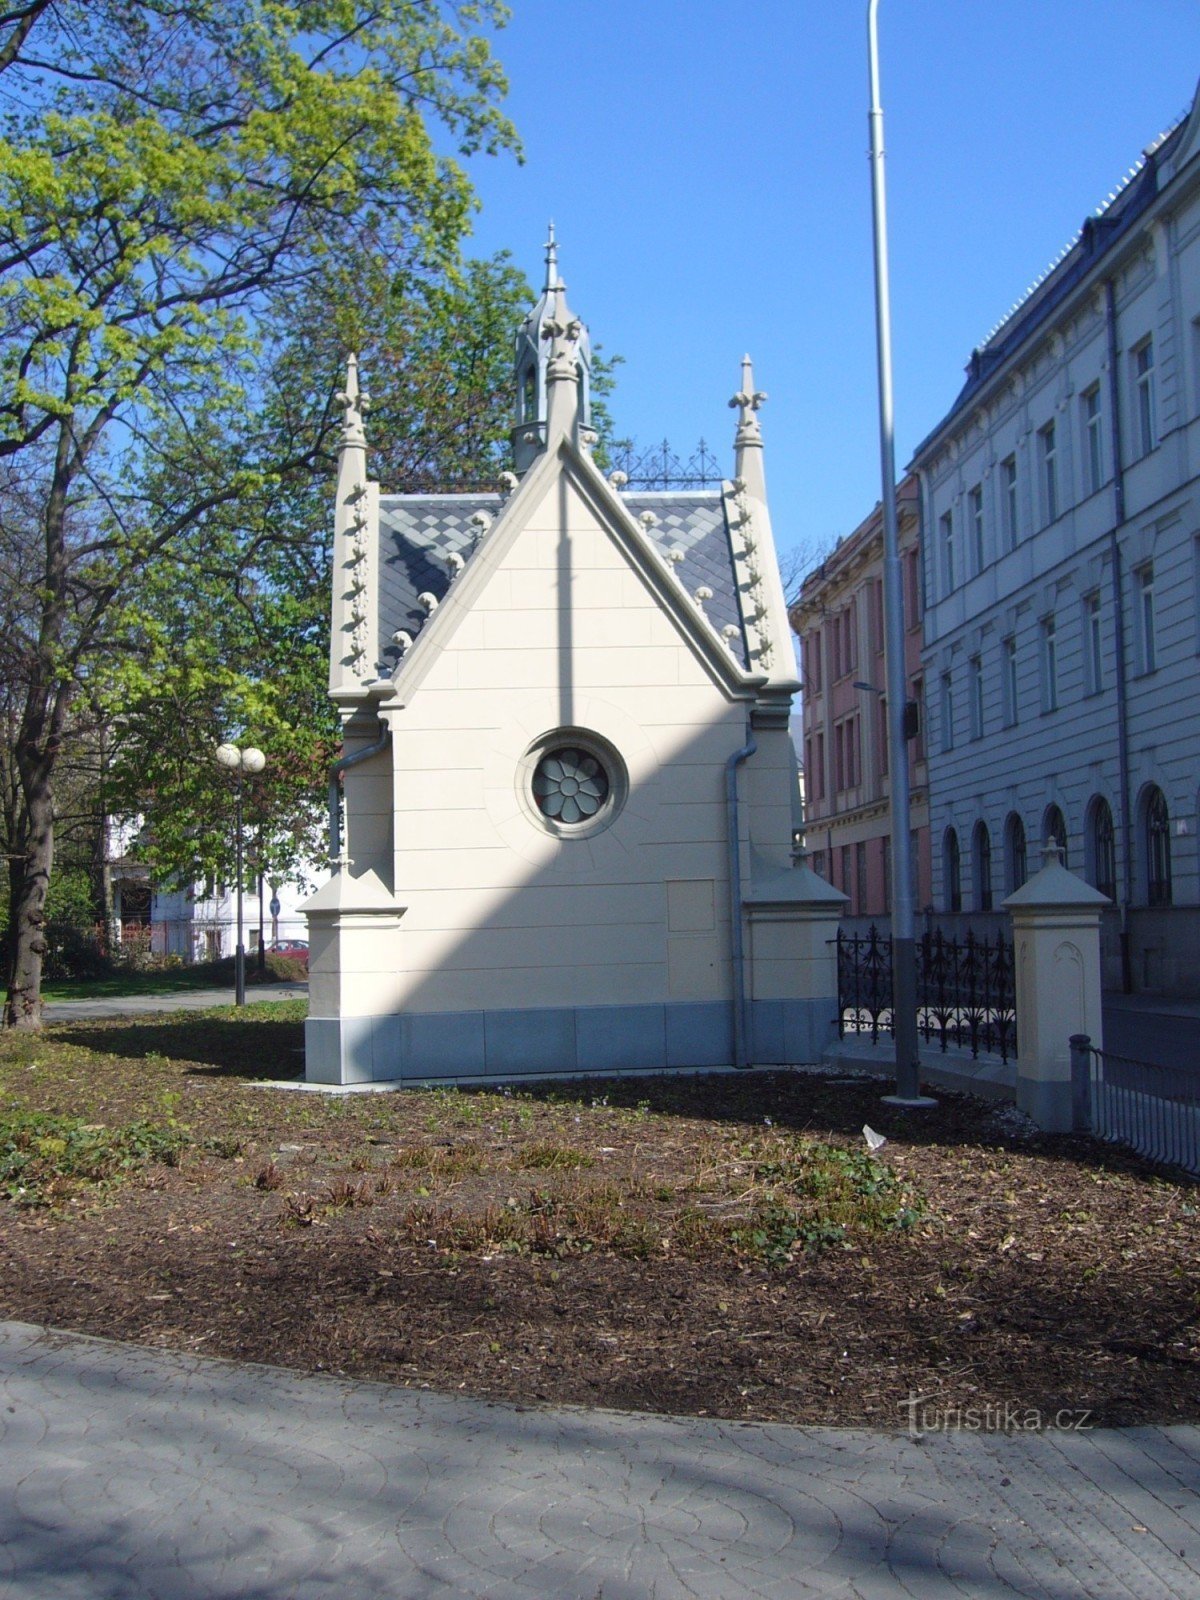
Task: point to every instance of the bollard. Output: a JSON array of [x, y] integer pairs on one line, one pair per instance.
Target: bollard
[[1081, 1083]]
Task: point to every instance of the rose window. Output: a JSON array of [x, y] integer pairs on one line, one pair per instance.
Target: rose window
[[569, 785]]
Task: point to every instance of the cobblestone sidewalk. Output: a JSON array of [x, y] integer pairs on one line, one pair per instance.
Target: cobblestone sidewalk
[[128, 1472]]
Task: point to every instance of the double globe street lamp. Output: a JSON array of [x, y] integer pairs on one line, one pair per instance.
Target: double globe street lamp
[[240, 762]]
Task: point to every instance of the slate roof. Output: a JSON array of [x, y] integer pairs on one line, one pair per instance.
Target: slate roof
[[417, 532]]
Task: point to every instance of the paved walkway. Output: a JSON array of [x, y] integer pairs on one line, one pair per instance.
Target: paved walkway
[[129, 1473], [135, 1005]]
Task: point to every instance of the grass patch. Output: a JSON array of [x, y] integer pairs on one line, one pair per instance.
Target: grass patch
[[119, 985], [48, 1161], [546, 1156]]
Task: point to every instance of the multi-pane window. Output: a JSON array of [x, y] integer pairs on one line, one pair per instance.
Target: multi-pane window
[[1049, 664], [1008, 485], [847, 769], [887, 873], [1103, 847], [975, 524], [812, 653], [860, 877], [1048, 449], [1157, 826], [877, 619], [847, 884], [1092, 639], [975, 695], [883, 736], [947, 711], [819, 752], [845, 641], [1093, 440], [947, 527], [1143, 391], [912, 588], [918, 694], [1054, 826], [1008, 680], [1015, 857], [1147, 643], [953, 869], [981, 861]]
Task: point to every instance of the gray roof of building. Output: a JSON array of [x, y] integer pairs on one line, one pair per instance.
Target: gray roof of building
[[418, 532]]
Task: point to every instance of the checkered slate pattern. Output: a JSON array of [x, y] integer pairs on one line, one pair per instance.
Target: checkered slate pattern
[[417, 532], [694, 522]]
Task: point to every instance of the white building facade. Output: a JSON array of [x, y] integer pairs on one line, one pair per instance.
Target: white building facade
[[570, 792], [1061, 501]]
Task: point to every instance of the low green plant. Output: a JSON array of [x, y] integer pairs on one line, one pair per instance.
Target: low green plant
[[552, 1157], [816, 1196], [46, 1160]]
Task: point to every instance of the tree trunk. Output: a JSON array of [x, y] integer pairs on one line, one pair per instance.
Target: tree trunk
[[27, 925], [38, 745]]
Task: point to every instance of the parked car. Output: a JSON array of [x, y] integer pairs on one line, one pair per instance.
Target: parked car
[[293, 949]]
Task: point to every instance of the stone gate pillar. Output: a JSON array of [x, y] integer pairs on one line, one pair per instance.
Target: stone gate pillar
[[1056, 955]]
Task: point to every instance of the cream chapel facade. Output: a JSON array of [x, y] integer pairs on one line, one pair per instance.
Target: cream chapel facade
[[570, 796]]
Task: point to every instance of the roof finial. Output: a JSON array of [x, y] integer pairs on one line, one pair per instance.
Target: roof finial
[[748, 400], [552, 281], [355, 401], [748, 440]]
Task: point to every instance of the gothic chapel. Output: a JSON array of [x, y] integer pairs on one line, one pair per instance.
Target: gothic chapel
[[566, 842]]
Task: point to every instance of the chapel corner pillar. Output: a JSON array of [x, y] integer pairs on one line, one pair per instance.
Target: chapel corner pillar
[[793, 982]]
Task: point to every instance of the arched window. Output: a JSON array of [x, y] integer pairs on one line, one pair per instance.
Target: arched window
[[1102, 847], [1156, 844], [981, 865], [1054, 827], [1015, 867], [952, 870]]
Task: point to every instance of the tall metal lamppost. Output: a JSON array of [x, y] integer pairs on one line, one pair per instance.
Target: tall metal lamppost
[[240, 762], [904, 948]]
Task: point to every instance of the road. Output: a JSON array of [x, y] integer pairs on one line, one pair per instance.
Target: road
[[1145, 1028]]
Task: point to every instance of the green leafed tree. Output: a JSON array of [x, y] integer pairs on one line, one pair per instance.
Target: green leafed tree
[[172, 174], [230, 629]]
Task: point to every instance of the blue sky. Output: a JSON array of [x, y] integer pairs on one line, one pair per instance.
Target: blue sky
[[705, 165]]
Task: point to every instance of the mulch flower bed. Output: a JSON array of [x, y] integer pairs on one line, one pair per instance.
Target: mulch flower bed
[[726, 1246]]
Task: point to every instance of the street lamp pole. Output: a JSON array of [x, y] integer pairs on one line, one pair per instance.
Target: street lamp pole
[[239, 762], [904, 950]]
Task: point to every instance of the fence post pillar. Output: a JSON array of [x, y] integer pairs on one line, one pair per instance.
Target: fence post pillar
[[1056, 957], [1081, 1083]]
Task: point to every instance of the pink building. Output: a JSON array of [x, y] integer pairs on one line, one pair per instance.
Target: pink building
[[839, 620]]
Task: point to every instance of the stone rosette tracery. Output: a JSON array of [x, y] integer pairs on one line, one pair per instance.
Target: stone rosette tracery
[[569, 785]]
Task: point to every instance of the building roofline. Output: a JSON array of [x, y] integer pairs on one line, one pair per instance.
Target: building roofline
[[1103, 232]]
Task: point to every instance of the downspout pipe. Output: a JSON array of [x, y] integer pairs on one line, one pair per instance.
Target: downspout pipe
[[335, 772], [1118, 602], [736, 936]]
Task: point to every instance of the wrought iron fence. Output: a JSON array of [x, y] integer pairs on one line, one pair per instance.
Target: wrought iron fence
[[1154, 1110], [659, 467], [965, 990]]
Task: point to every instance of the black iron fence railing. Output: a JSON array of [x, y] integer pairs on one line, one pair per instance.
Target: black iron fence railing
[[1154, 1110], [965, 990]]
